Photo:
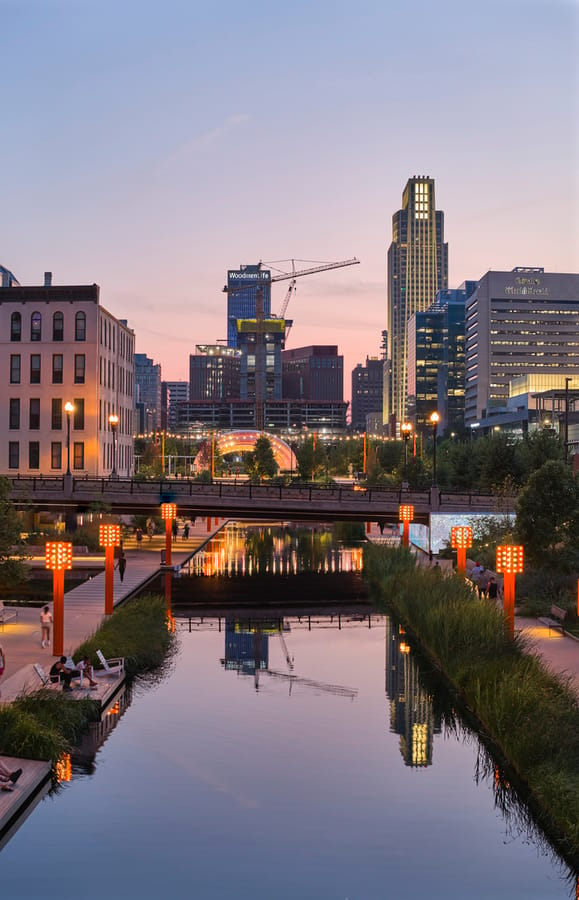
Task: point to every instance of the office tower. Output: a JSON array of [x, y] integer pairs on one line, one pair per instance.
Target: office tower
[[367, 386], [313, 373], [61, 346], [436, 360], [214, 373], [173, 393], [522, 322], [265, 384], [417, 269], [242, 285], [148, 393]]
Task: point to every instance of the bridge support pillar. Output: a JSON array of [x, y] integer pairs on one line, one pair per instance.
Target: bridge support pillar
[[434, 499]]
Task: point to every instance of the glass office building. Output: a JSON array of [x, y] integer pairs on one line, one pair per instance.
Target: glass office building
[[242, 287], [523, 322]]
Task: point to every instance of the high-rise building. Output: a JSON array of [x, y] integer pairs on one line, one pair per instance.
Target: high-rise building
[[265, 384], [242, 287], [148, 393], [214, 373], [313, 373], [523, 322], [367, 386], [62, 347], [417, 269], [173, 393], [436, 360]]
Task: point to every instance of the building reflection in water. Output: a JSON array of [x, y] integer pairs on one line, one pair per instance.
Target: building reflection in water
[[83, 755], [247, 653], [276, 550], [411, 707]]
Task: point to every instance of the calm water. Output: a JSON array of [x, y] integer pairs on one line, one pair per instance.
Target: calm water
[[281, 756]]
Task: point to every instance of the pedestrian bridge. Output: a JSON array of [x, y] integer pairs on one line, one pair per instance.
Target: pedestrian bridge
[[242, 500]]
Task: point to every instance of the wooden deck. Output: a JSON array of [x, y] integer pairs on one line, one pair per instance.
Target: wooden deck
[[31, 787], [26, 681]]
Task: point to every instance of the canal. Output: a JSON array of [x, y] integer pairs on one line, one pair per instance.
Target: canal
[[293, 746]]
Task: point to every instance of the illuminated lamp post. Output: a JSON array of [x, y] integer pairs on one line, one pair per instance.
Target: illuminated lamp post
[[68, 408], [509, 563], [58, 557], [109, 538], [461, 541], [406, 516], [406, 429], [113, 422], [435, 419], [168, 512]]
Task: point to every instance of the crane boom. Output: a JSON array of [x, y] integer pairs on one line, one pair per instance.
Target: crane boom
[[325, 268]]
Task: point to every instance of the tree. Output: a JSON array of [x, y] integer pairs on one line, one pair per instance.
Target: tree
[[12, 567], [548, 516], [312, 460], [260, 461]]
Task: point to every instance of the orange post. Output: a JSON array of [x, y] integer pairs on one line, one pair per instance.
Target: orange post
[[368, 527], [461, 541], [168, 513], [406, 516], [58, 557], [208, 523], [109, 538], [509, 563]]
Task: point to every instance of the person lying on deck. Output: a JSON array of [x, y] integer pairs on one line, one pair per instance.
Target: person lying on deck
[[7, 778]]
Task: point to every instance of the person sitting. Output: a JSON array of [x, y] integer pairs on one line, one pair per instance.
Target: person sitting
[[60, 672], [86, 669], [7, 778]]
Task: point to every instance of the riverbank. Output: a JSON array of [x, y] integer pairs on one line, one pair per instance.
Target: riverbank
[[531, 715]]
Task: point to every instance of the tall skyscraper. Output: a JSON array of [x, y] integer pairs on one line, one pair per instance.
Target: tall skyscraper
[[148, 393], [367, 386], [242, 285], [417, 269]]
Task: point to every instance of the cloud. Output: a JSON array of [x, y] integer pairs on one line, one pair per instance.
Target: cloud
[[205, 139]]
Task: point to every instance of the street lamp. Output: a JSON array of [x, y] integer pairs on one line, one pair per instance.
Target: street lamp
[[113, 422], [435, 419], [406, 429], [68, 408]]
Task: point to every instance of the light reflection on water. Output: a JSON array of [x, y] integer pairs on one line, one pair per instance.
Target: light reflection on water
[[283, 756]]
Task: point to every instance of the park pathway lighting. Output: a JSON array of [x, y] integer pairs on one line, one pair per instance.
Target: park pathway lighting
[[68, 408], [58, 558], [168, 513], [509, 564], [406, 516], [435, 419], [461, 541], [109, 538], [113, 422]]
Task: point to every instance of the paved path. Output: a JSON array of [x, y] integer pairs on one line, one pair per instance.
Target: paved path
[[84, 604]]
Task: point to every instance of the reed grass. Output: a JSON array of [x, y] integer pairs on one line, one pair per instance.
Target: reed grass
[[530, 713]]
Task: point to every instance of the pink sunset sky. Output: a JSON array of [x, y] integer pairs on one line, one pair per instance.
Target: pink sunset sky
[[151, 146]]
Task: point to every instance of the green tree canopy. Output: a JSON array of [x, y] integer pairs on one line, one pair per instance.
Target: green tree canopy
[[12, 568], [260, 462], [548, 516]]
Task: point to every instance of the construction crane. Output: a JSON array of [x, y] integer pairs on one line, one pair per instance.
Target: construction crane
[[260, 318]]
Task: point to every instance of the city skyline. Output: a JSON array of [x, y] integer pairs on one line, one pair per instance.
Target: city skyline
[[176, 153]]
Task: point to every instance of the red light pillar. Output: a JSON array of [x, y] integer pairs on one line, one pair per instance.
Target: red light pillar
[[168, 512], [58, 557], [406, 516], [461, 541], [509, 563], [109, 538]]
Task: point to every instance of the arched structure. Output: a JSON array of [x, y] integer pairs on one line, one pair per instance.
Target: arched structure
[[244, 441]]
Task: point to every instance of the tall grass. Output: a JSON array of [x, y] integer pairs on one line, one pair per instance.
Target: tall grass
[[137, 630], [531, 714]]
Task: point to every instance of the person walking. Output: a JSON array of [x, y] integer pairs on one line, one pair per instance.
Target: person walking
[[186, 531], [122, 564], [175, 529], [45, 623]]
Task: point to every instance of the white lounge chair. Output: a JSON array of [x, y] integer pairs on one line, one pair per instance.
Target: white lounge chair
[[6, 613], [113, 666]]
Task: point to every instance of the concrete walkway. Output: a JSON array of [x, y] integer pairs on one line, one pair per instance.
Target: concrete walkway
[[84, 604]]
